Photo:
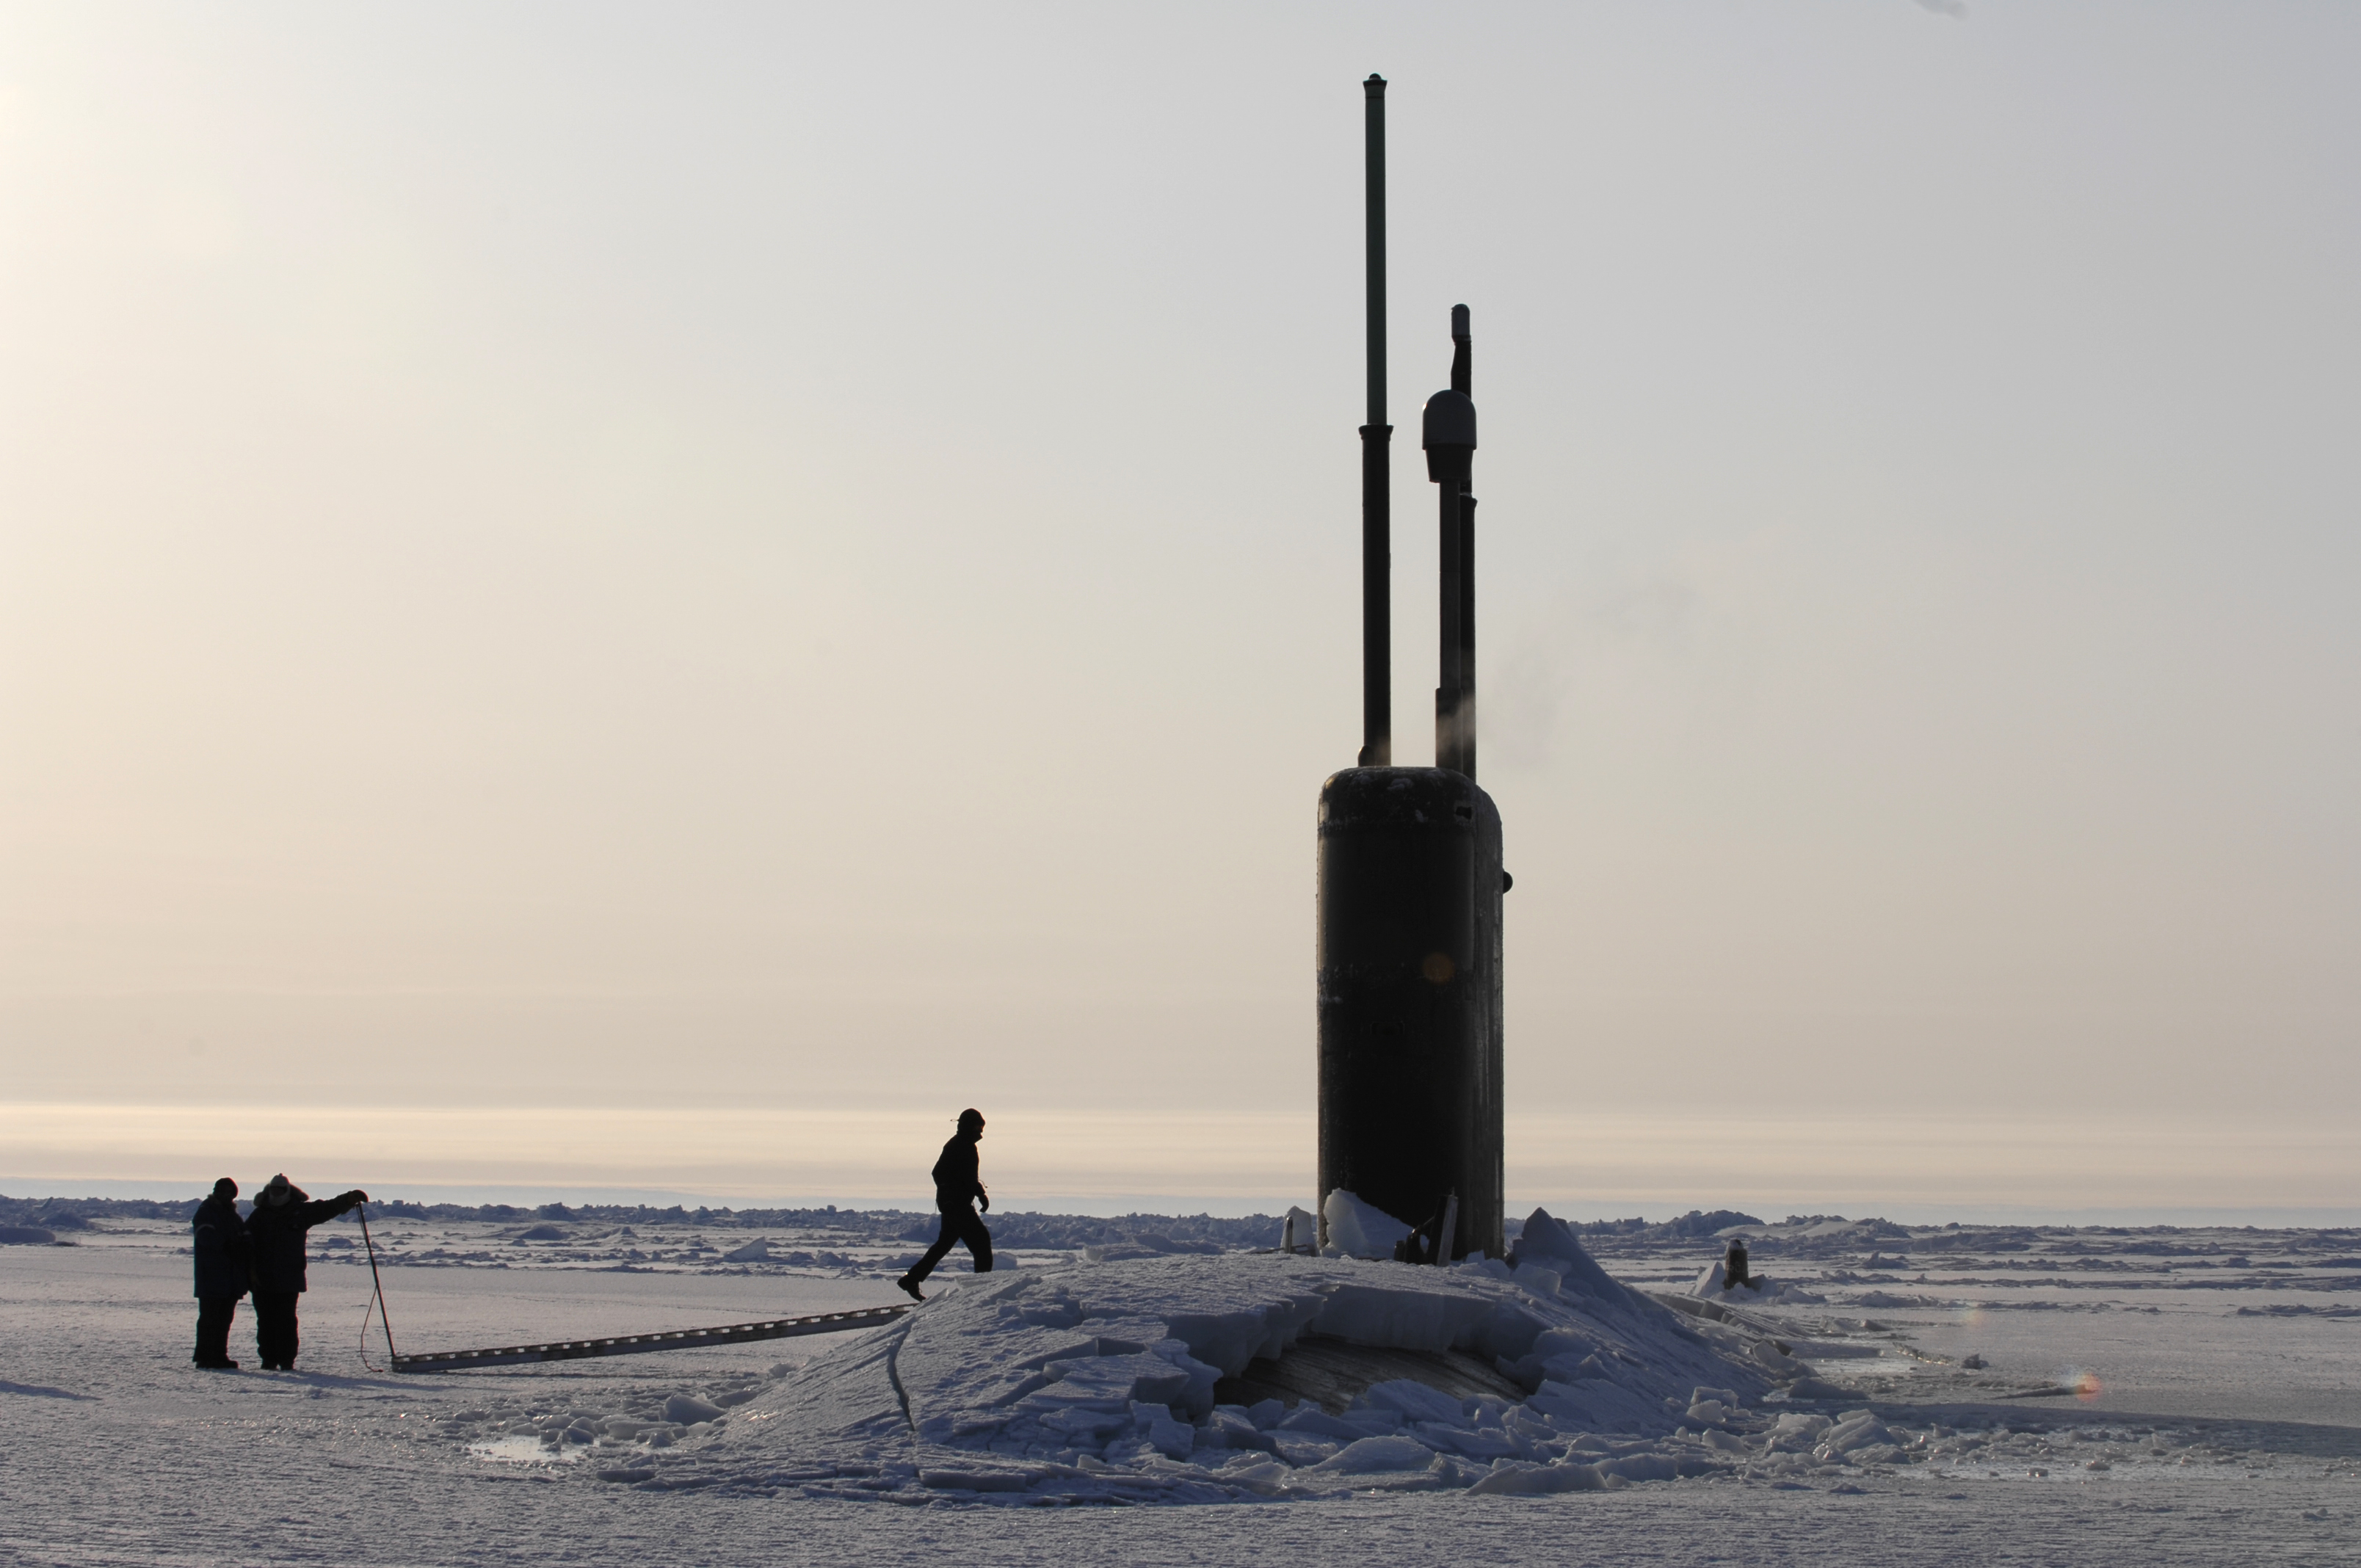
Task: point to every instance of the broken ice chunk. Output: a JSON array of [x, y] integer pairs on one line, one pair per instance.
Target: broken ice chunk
[[1227, 1427], [1483, 1442], [1108, 1383], [1376, 1453], [1398, 1314], [1173, 1439], [1089, 1425], [1514, 1480], [1263, 1476], [1361, 1230], [1304, 1451], [1858, 1430]]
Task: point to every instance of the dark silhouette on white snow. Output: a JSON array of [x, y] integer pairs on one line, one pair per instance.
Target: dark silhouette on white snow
[[956, 1188], [283, 1214], [217, 1237]]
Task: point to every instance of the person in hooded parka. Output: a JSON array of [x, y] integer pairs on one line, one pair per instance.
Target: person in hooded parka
[[218, 1238], [283, 1214]]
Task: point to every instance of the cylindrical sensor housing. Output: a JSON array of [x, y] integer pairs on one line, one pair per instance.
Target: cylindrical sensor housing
[[1410, 998]]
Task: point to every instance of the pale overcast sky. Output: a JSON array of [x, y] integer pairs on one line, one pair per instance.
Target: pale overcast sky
[[755, 574]]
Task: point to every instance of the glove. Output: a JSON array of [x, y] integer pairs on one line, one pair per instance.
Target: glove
[[983, 1198], [354, 1196]]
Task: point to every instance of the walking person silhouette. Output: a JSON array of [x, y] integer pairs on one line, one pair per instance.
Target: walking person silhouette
[[956, 1187]]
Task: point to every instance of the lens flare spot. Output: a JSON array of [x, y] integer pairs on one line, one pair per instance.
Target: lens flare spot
[[1437, 967], [2085, 1383]]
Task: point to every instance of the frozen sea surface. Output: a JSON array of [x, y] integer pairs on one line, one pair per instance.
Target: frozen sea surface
[[2194, 1431]]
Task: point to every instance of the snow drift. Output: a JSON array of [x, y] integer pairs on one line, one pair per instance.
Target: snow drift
[[1106, 1379]]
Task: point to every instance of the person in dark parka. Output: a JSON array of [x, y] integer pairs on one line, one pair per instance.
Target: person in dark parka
[[956, 1186], [283, 1214], [219, 1236]]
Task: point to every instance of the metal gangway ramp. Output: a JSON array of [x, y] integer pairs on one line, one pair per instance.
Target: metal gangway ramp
[[634, 1345]]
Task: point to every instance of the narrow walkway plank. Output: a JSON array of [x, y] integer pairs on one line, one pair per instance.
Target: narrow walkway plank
[[634, 1345]]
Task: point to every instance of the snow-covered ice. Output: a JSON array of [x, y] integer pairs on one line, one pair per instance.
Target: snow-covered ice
[[1105, 1381], [2134, 1406]]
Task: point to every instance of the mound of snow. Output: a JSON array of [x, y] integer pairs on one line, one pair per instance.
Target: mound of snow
[[687, 1409], [1102, 1380]]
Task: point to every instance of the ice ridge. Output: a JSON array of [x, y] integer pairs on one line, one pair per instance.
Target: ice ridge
[[1102, 1379]]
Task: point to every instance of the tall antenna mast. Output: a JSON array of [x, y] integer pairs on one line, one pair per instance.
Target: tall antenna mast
[[1376, 471], [1463, 718], [1449, 436]]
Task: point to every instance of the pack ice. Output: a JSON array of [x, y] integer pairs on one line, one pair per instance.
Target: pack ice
[[1104, 1380]]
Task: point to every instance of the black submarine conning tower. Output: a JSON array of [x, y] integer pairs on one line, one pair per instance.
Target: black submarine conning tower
[[1409, 873]]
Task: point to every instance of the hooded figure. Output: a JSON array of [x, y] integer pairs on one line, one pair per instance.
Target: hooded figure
[[283, 1214], [956, 1186], [218, 1237]]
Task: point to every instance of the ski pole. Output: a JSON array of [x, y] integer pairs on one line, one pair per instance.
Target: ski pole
[[377, 1282]]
